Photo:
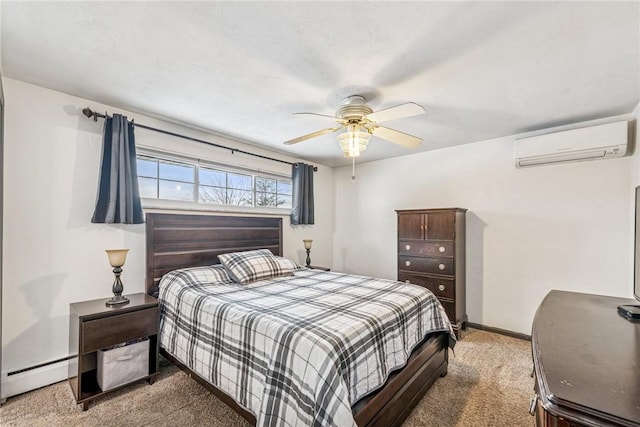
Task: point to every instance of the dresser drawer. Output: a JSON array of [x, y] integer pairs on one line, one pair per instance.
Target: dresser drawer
[[439, 287], [113, 330], [425, 248], [442, 266], [450, 309]]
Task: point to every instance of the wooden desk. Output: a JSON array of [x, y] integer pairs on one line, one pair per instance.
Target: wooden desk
[[586, 361]]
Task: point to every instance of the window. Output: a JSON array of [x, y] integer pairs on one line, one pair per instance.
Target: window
[[163, 178], [225, 188], [272, 192]]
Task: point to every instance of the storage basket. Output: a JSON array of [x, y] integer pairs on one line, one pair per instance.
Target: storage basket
[[122, 365]]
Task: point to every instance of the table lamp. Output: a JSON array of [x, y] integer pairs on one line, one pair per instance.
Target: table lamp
[[117, 257], [307, 246]]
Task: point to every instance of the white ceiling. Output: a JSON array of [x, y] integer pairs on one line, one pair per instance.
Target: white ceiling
[[480, 69]]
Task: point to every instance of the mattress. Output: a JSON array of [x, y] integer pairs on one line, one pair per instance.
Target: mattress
[[295, 350]]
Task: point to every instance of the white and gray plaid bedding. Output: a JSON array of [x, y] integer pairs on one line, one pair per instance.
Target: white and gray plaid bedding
[[295, 350]]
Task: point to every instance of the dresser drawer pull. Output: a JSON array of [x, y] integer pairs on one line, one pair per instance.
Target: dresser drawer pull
[[407, 263], [407, 247], [532, 405], [441, 287], [407, 281], [441, 249], [441, 266]]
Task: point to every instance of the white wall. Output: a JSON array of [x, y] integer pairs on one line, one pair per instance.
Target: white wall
[[53, 255], [566, 226]]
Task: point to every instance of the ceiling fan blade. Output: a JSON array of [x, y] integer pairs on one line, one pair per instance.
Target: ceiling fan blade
[[396, 137], [315, 114], [311, 135], [399, 111], [334, 118]]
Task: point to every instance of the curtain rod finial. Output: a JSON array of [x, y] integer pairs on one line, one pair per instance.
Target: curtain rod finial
[[87, 112]]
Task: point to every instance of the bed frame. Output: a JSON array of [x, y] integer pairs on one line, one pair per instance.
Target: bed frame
[[179, 241]]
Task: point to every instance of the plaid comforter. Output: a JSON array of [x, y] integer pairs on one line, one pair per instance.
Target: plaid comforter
[[295, 350]]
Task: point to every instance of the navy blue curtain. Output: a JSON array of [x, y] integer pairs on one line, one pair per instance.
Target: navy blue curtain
[[302, 194], [118, 198]]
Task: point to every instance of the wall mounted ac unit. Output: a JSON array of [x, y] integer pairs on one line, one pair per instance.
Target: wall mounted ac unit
[[587, 143]]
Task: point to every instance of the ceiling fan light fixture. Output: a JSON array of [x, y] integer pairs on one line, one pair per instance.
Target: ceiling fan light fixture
[[357, 122], [354, 140]]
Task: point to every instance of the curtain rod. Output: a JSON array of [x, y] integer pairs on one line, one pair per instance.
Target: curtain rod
[[90, 113]]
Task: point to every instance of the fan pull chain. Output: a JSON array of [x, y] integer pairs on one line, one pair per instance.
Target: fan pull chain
[[353, 169]]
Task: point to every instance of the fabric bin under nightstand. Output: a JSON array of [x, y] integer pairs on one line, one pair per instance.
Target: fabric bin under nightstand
[[122, 365]]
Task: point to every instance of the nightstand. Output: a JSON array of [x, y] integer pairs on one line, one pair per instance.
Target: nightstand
[[315, 267], [93, 326]]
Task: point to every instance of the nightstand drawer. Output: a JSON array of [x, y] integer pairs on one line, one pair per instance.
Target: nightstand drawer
[[113, 330], [439, 286]]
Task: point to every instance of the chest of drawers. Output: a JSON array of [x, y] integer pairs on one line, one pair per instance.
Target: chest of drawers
[[431, 253]]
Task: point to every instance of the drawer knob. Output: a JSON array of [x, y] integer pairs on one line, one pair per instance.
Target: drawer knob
[[441, 249], [441, 266], [407, 281], [407, 247], [441, 287], [407, 263]]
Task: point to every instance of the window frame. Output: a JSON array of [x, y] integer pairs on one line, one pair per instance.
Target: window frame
[[226, 187], [275, 193], [159, 161], [195, 203]]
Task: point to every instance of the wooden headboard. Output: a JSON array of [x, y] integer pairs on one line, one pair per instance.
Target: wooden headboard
[[179, 241]]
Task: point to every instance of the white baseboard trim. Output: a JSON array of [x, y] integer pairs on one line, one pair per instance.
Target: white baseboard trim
[[23, 382]]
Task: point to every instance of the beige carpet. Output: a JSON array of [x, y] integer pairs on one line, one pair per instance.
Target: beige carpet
[[488, 384]]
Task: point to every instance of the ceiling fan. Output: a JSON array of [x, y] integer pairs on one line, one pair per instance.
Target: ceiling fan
[[360, 122]]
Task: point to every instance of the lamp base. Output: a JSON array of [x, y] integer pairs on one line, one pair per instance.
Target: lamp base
[[117, 300]]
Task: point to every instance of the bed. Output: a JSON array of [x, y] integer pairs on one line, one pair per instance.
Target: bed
[[176, 242]]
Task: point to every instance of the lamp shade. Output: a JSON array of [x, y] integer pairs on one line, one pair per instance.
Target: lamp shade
[[307, 243], [117, 257], [354, 140]]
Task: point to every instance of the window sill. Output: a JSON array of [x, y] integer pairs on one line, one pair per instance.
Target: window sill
[[156, 205]]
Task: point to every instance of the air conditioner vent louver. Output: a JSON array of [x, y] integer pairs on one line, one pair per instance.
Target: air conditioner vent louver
[[587, 143]]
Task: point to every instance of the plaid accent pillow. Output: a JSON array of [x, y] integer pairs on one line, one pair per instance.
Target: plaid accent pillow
[[249, 266], [210, 274], [217, 273], [286, 264]]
